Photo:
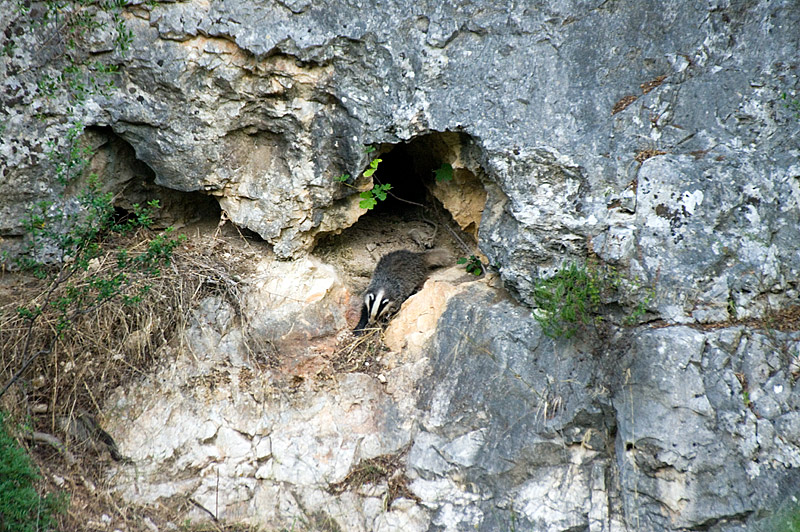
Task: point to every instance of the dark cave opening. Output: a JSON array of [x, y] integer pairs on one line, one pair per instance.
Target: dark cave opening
[[133, 182], [419, 212], [411, 169], [409, 182]]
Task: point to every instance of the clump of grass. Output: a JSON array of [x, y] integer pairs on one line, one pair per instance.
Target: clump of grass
[[22, 508], [567, 300], [106, 344], [360, 354], [372, 471]]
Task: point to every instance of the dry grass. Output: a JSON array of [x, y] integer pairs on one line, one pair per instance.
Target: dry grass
[[642, 155], [623, 103], [652, 84], [361, 353], [103, 348], [386, 468]]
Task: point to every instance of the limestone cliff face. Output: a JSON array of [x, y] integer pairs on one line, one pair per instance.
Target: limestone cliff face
[[651, 135]]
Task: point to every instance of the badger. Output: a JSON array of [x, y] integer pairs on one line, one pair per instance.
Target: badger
[[397, 275]]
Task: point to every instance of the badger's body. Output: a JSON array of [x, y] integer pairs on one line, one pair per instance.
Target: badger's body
[[397, 275]]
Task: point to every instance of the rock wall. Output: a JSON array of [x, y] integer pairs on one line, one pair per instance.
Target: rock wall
[[497, 426], [658, 136], [654, 137]]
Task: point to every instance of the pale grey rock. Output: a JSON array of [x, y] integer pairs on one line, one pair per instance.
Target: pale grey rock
[[510, 424], [262, 104], [693, 444], [688, 191], [654, 431], [294, 303], [788, 426], [214, 420]]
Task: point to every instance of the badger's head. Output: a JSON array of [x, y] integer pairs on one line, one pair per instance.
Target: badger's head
[[376, 306]]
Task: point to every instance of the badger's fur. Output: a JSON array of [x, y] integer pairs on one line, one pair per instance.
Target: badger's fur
[[397, 275]]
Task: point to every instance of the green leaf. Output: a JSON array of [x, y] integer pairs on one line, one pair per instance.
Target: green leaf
[[367, 203], [373, 166], [342, 178], [444, 173], [379, 191]]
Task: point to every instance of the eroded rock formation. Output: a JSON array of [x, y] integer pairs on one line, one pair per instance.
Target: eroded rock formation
[[653, 137]]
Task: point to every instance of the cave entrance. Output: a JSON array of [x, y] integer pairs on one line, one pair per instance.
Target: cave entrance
[[132, 181], [420, 211]]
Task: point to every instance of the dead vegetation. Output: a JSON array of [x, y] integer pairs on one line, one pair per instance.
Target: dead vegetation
[[387, 468], [59, 396], [623, 103], [360, 353], [642, 155], [652, 84]]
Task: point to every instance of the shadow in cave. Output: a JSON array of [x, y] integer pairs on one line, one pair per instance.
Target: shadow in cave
[[416, 214], [133, 182]]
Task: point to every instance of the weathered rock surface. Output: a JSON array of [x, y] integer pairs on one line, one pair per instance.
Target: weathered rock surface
[[262, 104], [653, 136], [662, 429]]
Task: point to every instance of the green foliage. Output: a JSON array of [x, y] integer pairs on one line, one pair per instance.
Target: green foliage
[[792, 104], [373, 167], [66, 240], [78, 241], [571, 298], [641, 307], [786, 519], [371, 196], [472, 264], [68, 23], [566, 300], [444, 173], [22, 509]]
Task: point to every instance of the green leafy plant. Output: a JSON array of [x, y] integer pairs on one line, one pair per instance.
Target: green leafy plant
[[76, 242], [22, 509], [641, 307], [373, 167], [379, 192], [472, 264], [371, 196], [567, 300], [444, 173]]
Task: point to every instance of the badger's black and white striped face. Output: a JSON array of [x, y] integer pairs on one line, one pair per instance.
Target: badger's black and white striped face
[[378, 305]]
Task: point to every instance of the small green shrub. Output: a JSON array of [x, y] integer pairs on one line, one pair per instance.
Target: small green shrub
[[379, 192], [792, 104], [472, 265], [371, 196], [641, 307], [22, 509], [75, 243], [373, 167], [567, 300]]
